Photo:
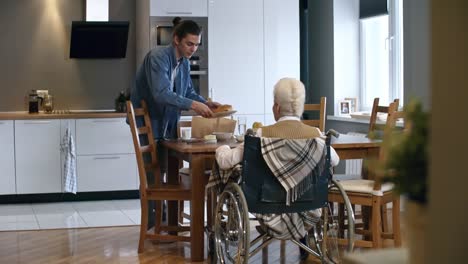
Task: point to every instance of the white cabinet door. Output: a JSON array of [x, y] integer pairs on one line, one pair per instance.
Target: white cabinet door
[[103, 136], [106, 173], [186, 8], [38, 156], [105, 155], [236, 58], [7, 157], [282, 56]]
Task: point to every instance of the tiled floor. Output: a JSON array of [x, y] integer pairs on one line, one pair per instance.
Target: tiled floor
[[39, 216]]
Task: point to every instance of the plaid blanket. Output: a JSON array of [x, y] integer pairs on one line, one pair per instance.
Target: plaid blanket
[[293, 162], [219, 178]]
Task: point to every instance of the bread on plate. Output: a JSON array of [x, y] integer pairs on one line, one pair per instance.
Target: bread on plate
[[223, 108]]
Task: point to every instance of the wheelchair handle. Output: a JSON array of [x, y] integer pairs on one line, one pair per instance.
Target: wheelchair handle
[[332, 132]]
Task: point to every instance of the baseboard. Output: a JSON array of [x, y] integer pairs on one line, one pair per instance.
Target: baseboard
[[68, 197]]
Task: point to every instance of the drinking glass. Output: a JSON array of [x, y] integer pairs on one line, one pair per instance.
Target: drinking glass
[[241, 124]]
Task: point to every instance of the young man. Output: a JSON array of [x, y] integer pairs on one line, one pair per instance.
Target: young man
[[163, 81]]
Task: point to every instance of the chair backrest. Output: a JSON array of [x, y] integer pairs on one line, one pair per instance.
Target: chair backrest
[[263, 191], [145, 145], [321, 108], [389, 131], [376, 108]]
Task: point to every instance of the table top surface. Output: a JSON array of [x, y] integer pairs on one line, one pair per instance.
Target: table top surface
[[342, 142], [351, 141]]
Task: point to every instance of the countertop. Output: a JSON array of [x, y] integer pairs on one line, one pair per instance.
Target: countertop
[[73, 114], [23, 115]]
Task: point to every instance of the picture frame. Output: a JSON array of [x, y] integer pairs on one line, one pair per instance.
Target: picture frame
[[354, 104], [344, 107]]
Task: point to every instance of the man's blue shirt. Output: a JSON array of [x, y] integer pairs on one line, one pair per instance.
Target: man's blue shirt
[[153, 84]]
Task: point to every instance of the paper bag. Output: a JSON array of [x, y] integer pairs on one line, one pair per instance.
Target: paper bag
[[206, 126]]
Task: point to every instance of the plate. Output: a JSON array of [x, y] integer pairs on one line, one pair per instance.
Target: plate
[[223, 114]]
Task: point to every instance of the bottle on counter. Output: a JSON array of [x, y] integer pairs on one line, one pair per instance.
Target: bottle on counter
[[33, 101], [120, 103]]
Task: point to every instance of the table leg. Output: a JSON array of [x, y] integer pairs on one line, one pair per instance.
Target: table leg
[[197, 207], [172, 178]]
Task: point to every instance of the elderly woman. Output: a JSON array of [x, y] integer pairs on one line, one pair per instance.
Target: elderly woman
[[289, 98]]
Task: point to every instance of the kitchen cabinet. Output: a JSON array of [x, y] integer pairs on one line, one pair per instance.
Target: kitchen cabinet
[[106, 173], [38, 166], [236, 54], [105, 155], [253, 44], [281, 33], [7, 157], [186, 8], [103, 136]]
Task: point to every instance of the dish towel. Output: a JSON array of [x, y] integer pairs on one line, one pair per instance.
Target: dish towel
[[67, 147]]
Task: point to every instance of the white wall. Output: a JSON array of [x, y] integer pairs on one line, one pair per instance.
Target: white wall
[[346, 49]]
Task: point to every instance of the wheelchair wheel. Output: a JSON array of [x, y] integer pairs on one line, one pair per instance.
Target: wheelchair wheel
[[232, 226], [326, 235]]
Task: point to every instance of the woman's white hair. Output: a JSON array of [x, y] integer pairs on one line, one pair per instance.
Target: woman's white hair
[[289, 94]]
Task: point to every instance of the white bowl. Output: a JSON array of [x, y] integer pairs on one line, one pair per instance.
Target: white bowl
[[221, 136]]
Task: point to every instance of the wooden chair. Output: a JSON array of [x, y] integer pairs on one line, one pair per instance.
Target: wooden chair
[[376, 109], [375, 130], [320, 123], [374, 194], [154, 189]]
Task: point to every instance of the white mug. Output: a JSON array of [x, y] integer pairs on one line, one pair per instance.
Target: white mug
[[186, 132]]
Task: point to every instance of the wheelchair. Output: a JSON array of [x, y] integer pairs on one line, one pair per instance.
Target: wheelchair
[[259, 191]]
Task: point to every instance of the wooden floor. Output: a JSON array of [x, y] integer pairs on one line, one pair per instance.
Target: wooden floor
[[110, 245], [117, 245]]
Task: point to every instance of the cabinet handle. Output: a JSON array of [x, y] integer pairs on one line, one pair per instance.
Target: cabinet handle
[[177, 13], [36, 122], [1, 123], [107, 158], [106, 121], [198, 72]]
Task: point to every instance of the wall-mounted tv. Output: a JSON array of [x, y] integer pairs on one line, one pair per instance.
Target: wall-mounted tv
[[99, 40]]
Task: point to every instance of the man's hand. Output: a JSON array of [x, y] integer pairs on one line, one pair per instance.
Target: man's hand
[[201, 109], [212, 105]]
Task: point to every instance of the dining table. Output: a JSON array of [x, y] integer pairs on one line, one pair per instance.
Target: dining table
[[197, 153], [356, 147]]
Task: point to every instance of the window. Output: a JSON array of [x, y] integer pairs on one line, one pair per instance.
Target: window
[[381, 60]]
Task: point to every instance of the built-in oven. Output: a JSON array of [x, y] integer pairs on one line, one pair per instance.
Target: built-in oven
[[161, 36]]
